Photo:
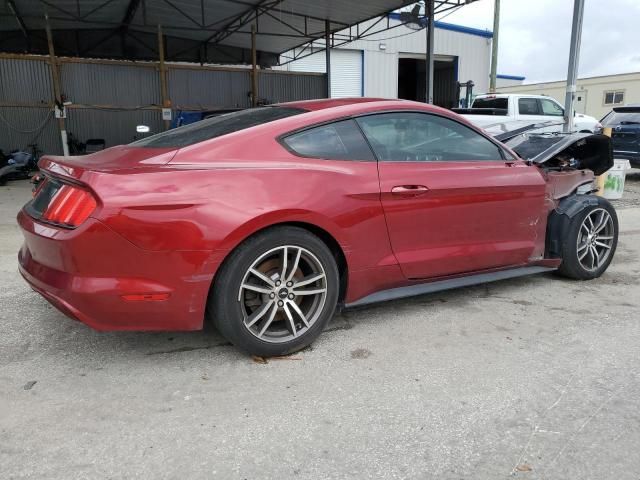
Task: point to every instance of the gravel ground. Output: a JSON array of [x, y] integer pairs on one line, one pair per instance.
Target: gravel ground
[[533, 377]]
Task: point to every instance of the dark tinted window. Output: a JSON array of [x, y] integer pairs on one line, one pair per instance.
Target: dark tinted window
[[491, 103], [529, 106], [216, 127], [335, 141], [616, 118], [423, 137]]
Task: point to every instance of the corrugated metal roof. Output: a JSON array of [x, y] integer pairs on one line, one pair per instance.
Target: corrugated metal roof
[[282, 24]]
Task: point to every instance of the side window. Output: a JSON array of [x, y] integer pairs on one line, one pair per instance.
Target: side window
[[550, 107], [422, 137], [341, 140], [528, 106]]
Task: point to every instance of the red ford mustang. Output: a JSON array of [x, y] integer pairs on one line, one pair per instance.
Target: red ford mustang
[[265, 220]]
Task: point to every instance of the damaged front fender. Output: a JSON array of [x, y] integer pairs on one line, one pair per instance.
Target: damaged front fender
[[559, 219]]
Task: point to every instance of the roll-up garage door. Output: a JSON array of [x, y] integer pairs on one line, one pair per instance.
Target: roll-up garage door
[[346, 73], [346, 70]]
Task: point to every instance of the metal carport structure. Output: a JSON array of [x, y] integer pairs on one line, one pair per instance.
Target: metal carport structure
[[203, 31]]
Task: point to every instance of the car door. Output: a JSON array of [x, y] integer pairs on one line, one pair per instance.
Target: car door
[[452, 202]]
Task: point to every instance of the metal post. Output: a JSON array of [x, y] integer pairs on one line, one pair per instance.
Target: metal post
[[574, 55], [429, 6], [163, 77], [254, 68], [57, 93], [494, 46], [327, 54]]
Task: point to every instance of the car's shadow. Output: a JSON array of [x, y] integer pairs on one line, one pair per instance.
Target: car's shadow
[[56, 334]]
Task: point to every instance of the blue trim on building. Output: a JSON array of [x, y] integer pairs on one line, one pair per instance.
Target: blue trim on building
[[509, 77], [452, 27]]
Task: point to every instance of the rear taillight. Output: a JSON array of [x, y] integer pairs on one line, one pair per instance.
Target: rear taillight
[[69, 207]]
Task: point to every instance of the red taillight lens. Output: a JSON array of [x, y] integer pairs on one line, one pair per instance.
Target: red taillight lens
[[70, 206]]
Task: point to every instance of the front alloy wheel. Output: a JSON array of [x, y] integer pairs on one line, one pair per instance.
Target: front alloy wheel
[[595, 239], [589, 240]]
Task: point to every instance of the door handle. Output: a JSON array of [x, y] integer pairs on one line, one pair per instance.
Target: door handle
[[409, 190]]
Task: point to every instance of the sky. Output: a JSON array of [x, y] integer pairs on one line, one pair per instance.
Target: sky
[[535, 34]]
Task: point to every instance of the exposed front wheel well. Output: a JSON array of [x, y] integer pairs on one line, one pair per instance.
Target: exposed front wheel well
[[583, 232]]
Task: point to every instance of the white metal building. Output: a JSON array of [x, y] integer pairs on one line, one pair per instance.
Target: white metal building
[[595, 96], [391, 63]]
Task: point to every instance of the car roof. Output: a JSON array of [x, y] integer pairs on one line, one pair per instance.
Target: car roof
[[342, 107], [324, 103]]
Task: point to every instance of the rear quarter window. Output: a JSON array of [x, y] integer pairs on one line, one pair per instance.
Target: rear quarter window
[[340, 140]]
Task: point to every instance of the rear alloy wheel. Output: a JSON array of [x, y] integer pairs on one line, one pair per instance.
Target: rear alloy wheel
[[591, 242], [276, 292]]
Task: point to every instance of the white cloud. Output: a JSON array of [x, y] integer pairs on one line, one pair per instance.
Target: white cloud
[[535, 35]]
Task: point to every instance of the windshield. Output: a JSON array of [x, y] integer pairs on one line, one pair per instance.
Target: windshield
[[620, 118], [216, 127], [491, 103]]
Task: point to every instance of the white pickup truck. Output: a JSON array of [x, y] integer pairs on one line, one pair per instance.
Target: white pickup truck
[[492, 109]]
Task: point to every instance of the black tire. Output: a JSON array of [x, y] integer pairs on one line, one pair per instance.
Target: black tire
[[571, 266], [228, 313]]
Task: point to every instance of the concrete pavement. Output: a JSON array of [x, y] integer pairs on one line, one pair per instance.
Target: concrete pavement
[[535, 378]]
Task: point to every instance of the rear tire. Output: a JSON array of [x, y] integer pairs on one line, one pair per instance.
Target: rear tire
[[275, 292], [590, 241]]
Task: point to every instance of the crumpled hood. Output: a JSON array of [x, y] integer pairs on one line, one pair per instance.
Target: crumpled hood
[[586, 150]]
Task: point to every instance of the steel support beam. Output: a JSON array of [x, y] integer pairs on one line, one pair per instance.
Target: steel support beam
[[327, 54], [494, 46], [57, 92], [430, 12], [254, 67], [242, 20], [21, 24], [163, 76], [574, 56], [129, 14]]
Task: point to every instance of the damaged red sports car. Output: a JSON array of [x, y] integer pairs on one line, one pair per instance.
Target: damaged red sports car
[[263, 221]]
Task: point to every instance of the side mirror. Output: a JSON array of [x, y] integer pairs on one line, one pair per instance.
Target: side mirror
[[142, 129]]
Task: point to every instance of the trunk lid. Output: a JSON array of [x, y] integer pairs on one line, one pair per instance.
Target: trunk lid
[[111, 160]]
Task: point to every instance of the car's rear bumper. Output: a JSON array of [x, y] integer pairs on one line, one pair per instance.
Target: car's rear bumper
[[96, 276]]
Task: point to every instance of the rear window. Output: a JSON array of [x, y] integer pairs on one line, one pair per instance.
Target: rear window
[[491, 103], [217, 126], [621, 118]]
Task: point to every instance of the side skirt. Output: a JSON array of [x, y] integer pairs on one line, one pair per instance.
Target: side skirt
[[437, 286]]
